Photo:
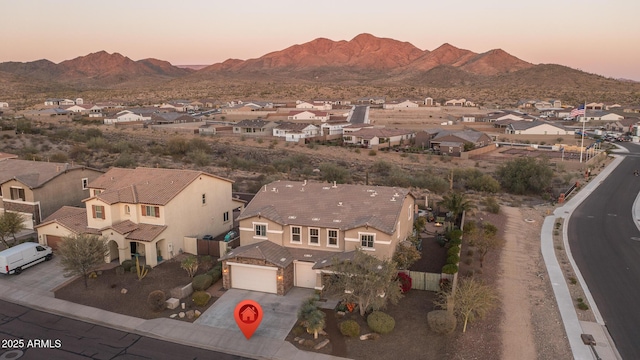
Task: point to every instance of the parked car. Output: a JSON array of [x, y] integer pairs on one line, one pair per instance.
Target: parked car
[[13, 260]]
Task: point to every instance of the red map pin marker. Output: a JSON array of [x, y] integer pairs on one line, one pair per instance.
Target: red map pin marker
[[248, 315]]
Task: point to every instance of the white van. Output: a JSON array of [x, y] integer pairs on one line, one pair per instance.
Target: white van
[[15, 259]]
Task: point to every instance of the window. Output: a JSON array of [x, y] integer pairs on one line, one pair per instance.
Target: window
[[260, 229], [225, 216], [96, 192], [85, 183], [127, 209], [295, 234], [17, 194], [332, 238], [367, 240], [97, 211], [204, 199], [153, 211], [314, 236]]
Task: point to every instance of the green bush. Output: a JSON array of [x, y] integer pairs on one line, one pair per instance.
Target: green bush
[[454, 250], [201, 298], [127, 264], [380, 322], [216, 272], [133, 270], [157, 300], [583, 306], [372, 153], [350, 328], [450, 269], [119, 270], [453, 259], [202, 282], [492, 205]]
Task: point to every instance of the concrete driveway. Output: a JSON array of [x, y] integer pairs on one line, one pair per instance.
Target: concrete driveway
[[280, 312], [43, 277]]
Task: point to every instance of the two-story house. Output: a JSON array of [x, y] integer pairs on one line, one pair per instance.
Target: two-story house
[[36, 189], [291, 232], [147, 212]]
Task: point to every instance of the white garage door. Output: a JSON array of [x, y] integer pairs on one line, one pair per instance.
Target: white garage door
[[254, 277], [305, 276]]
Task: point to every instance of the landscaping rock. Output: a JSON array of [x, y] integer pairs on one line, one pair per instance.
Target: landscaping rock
[[297, 339], [99, 272], [123, 291], [198, 313], [181, 314], [172, 303], [173, 316], [301, 341], [322, 344], [308, 343], [341, 313], [183, 305], [191, 314], [182, 292], [370, 336], [322, 332]]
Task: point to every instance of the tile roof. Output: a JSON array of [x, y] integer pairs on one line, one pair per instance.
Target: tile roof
[[524, 125], [33, 173], [146, 232], [466, 135], [380, 132], [144, 185], [323, 205], [72, 218], [340, 257], [253, 123], [264, 250], [293, 126]]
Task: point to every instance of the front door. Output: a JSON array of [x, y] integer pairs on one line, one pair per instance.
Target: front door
[[134, 249]]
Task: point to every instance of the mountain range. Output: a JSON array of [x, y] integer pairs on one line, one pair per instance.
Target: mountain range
[[364, 60]]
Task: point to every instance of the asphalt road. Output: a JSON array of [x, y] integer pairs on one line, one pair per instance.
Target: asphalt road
[[605, 244], [68, 339], [359, 113]]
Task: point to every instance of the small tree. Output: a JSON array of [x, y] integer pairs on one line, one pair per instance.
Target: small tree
[[525, 175], [365, 280], [79, 254], [406, 255], [10, 224], [485, 238], [190, 264], [311, 317], [472, 300]]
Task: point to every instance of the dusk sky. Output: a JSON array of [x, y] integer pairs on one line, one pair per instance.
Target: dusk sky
[[597, 36]]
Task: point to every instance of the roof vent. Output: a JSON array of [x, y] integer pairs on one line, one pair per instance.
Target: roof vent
[[325, 188], [373, 194], [335, 185], [337, 220], [283, 259], [304, 183], [339, 203], [315, 219], [292, 217], [308, 255], [323, 261], [370, 190], [302, 190], [393, 199], [396, 195], [379, 267], [274, 189], [289, 186]]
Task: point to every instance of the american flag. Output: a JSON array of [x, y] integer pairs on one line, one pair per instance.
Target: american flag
[[577, 111]]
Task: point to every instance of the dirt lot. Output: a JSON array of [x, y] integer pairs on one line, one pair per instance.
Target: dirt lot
[[104, 292]]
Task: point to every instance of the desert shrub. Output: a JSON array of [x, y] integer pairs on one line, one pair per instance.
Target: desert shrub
[[119, 270], [216, 272], [201, 298], [190, 265], [157, 300], [525, 175], [202, 282], [441, 322], [373, 153], [492, 205], [331, 172], [450, 269], [59, 157], [469, 252], [454, 250], [583, 306], [199, 157], [206, 262], [573, 280], [469, 226], [133, 270], [125, 160], [453, 259], [380, 322], [350, 328], [468, 261], [127, 264]]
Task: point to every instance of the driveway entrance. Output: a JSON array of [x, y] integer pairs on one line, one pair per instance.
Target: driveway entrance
[[43, 277], [280, 312]]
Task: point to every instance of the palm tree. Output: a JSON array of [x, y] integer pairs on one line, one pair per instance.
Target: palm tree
[[456, 203]]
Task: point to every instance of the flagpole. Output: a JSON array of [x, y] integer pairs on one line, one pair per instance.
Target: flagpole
[[584, 120]]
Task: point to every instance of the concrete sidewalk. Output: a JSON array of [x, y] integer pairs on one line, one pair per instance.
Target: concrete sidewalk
[[574, 328], [205, 337]]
